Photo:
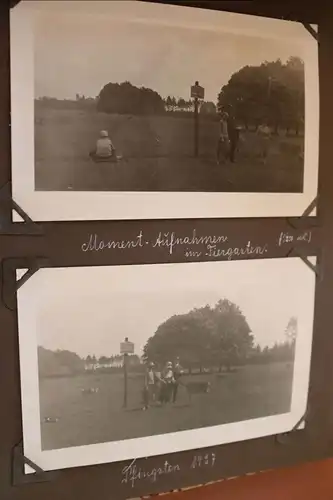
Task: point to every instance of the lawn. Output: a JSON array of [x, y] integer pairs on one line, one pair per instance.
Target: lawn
[[157, 155], [79, 418]]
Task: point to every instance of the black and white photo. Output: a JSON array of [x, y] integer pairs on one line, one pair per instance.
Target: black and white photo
[[138, 110], [121, 362]]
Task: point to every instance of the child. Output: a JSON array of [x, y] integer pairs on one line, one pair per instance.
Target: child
[[167, 383], [223, 141], [104, 147], [264, 132], [149, 387]]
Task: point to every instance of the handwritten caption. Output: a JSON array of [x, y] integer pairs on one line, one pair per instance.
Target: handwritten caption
[[287, 238], [132, 473], [192, 246]]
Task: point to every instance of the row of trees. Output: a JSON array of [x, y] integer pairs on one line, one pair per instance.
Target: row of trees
[[80, 103], [125, 98], [170, 104], [216, 336], [173, 104], [115, 359], [67, 363], [206, 337], [271, 93], [58, 363]]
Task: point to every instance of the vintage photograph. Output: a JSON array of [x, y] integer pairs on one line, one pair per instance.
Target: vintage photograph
[[132, 97], [133, 361]]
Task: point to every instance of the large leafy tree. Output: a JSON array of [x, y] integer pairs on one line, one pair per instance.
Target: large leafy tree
[[125, 98], [182, 336], [231, 335], [203, 337], [272, 92]]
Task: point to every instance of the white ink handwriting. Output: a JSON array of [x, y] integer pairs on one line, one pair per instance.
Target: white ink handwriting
[[132, 473], [285, 238], [248, 249], [203, 460], [95, 244], [170, 240]]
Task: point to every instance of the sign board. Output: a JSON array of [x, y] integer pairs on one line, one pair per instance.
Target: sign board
[[197, 92], [126, 347]]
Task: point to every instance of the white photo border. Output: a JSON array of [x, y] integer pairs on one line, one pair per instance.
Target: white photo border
[[28, 298], [70, 205]]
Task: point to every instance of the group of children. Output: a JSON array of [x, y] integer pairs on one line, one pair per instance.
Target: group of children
[[161, 386]]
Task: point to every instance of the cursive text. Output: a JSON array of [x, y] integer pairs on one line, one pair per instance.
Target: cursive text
[[132, 473], [94, 244]]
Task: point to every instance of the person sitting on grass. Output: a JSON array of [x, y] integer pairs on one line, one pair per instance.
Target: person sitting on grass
[[104, 148]]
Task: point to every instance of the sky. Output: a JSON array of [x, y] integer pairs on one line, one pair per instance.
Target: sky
[[91, 310], [79, 50]]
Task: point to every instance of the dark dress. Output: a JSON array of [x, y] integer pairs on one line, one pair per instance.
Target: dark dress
[[177, 373], [233, 133]]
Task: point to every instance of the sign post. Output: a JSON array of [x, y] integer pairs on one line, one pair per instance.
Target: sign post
[[126, 348], [197, 92]]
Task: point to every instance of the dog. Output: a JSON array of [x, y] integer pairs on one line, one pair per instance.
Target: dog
[[197, 388], [50, 420], [91, 390]]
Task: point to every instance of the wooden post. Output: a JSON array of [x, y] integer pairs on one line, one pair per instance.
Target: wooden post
[[196, 127], [126, 348], [197, 92], [125, 380]]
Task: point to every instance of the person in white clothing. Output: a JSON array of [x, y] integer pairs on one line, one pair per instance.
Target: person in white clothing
[[104, 147], [223, 141], [265, 135]]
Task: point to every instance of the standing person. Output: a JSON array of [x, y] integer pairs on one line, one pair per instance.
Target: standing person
[[177, 373], [168, 381], [149, 387], [264, 132], [233, 134], [223, 142], [158, 383]]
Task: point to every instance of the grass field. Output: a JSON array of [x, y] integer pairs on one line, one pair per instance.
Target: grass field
[[81, 419], [157, 156]]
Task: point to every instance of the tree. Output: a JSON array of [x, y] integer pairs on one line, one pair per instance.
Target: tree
[[189, 105], [203, 336], [133, 360], [208, 108], [125, 98], [103, 360], [70, 360], [291, 330], [232, 339], [181, 104], [55, 363], [168, 102], [272, 92], [180, 336], [174, 103]]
